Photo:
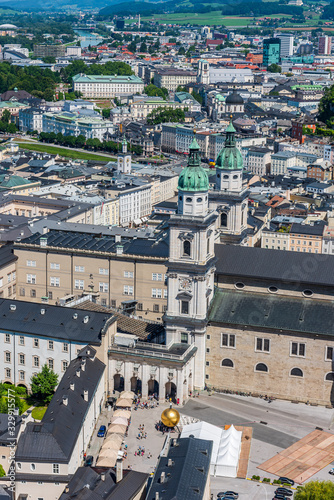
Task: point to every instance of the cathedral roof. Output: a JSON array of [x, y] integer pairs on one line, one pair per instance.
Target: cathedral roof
[[234, 98], [230, 157], [194, 178]]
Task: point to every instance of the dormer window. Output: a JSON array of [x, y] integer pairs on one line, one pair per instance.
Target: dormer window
[[186, 248]]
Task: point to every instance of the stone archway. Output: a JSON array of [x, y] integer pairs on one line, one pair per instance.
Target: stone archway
[[118, 382], [136, 385], [153, 388], [171, 392]]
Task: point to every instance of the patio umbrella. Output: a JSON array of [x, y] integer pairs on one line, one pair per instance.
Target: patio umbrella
[[107, 461], [112, 443], [116, 429], [119, 420], [122, 413], [124, 403], [127, 395]]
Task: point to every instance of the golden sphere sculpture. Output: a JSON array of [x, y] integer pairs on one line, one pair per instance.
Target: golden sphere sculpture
[[170, 417]]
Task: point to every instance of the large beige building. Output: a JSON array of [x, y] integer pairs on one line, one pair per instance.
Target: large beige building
[[171, 78]]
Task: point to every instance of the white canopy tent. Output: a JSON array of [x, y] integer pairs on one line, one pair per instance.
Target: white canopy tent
[[225, 450]]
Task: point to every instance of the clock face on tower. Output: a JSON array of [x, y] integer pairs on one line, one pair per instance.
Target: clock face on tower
[[185, 284]]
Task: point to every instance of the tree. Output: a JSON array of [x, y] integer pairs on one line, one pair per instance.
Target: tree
[[132, 47], [6, 116], [80, 141], [315, 490], [154, 91], [2, 471], [106, 113], [182, 51], [143, 47], [43, 384], [274, 68], [163, 115], [326, 104], [49, 60], [48, 94]]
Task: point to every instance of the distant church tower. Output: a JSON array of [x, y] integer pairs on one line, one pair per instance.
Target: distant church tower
[[124, 158], [191, 262], [203, 74], [230, 196]]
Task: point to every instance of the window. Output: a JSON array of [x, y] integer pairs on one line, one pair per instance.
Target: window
[[128, 274], [53, 265], [22, 292], [186, 248], [262, 344], [36, 342], [9, 278], [50, 295], [79, 284], [139, 306], [261, 367], [32, 466], [329, 353], [228, 363], [7, 373], [65, 347], [64, 365], [223, 220], [21, 359], [79, 269], [31, 263], [50, 363], [273, 289], [297, 349], [55, 468], [103, 287], [227, 340], [104, 270], [330, 377], [184, 338], [50, 345], [184, 307], [156, 276], [307, 293], [165, 293], [113, 303], [31, 278], [239, 285], [157, 293], [296, 372], [128, 290], [156, 308], [7, 357], [33, 293], [54, 281], [7, 338], [21, 340], [22, 375], [36, 361]]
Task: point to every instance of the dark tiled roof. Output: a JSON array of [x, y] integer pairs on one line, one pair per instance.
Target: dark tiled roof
[[55, 322], [263, 263], [6, 255], [186, 477], [86, 484], [5, 437], [289, 314], [54, 438], [315, 230]]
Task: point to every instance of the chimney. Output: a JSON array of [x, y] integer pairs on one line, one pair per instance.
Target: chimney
[[117, 238], [65, 400], [67, 488], [157, 497], [162, 478], [85, 394], [83, 365], [170, 462], [43, 241], [45, 230], [72, 386], [78, 372], [119, 470], [103, 476], [119, 249]]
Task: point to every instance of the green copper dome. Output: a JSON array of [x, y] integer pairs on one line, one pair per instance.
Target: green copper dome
[[230, 157], [193, 177]]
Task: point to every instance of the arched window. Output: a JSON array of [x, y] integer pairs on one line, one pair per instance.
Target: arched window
[[189, 200], [208, 246], [186, 248], [228, 363], [330, 376], [261, 367], [223, 220], [296, 372], [225, 177], [235, 177]]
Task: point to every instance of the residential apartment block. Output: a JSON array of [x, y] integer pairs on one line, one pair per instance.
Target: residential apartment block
[[75, 124]]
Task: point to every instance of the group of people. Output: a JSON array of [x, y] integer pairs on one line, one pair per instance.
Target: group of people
[[140, 452], [141, 434], [163, 428], [151, 403]]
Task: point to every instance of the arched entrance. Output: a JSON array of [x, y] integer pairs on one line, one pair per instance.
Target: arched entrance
[[171, 391], [118, 382], [136, 385], [153, 388]]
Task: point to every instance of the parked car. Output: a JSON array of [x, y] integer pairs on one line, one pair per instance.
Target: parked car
[[286, 480], [284, 491], [280, 497], [331, 471], [231, 494], [89, 461], [102, 431]]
